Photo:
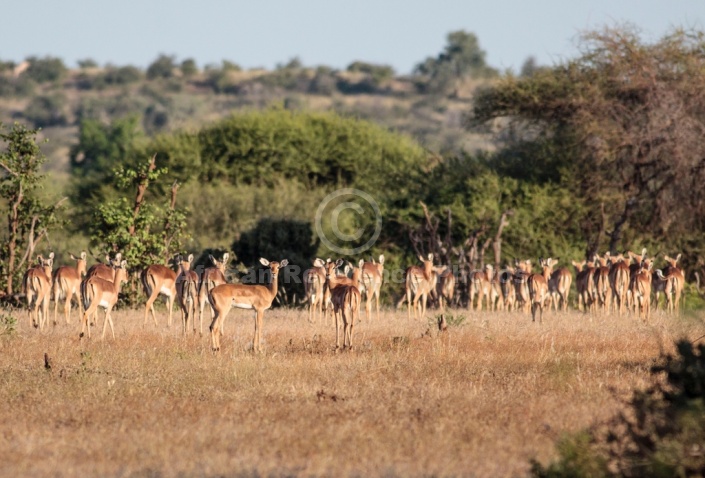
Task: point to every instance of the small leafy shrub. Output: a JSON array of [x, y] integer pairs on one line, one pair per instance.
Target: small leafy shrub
[[8, 323], [660, 432]]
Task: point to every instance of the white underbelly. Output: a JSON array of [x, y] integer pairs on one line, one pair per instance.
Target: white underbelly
[[104, 304], [166, 291], [241, 305]]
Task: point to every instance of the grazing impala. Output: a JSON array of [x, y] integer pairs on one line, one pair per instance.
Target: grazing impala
[[345, 295], [538, 288], [619, 281], [420, 281], [67, 284], [187, 291], [210, 278], [641, 289], [372, 277], [158, 279], [259, 298], [37, 288], [97, 292]]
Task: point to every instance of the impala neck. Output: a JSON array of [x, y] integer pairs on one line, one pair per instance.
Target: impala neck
[[273, 285]]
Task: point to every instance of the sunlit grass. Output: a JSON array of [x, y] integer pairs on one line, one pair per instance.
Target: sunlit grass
[[482, 398]]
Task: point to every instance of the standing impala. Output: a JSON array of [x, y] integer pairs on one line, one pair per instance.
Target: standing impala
[[538, 288], [244, 296], [67, 284], [619, 281], [445, 287], [559, 288], [419, 283], [104, 271], [210, 278], [158, 279], [345, 296], [672, 270], [603, 291], [37, 288], [317, 294], [187, 291], [372, 277], [97, 292], [641, 289]]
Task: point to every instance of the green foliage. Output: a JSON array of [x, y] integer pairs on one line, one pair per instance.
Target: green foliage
[[87, 63], [462, 57], [8, 323], [45, 70], [189, 67], [660, 434], [28, 218], [16, 87], [378, 73], [46, 111], [162, 67]]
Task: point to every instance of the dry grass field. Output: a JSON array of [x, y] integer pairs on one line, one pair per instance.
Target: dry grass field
[[480, 399]]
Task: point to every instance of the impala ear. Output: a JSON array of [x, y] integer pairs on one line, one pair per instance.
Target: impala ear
[[263, 261], [190, 257], [123, 264], [107, 259], [339, 263], [381, 259], [226, 256], [421, 258], [283, 263], [213, 259], [118, 256], [430, 256], [83, 255], [678, 257], [643, 252], [318, 262], [361, 263], [51, 255]]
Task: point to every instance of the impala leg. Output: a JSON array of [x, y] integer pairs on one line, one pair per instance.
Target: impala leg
[[337, 330]]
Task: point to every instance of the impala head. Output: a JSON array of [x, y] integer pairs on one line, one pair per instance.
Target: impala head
[[80, 263], [184, 264], [274, 266], [671, 261], [120, 272], [578, 265], [220, 264]]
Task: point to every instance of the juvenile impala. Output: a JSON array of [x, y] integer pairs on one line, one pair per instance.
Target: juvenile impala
[[97, 292], [259, 298], [345, 295], [210, 278], [420, 281], [158, 279], [187, 291], [372, 278], [37, 288], [67, 285]]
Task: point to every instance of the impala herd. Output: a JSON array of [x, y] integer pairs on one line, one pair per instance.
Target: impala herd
[[620, 283]]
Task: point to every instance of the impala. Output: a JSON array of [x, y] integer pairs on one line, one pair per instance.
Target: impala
[[372, 277], [538, 288], [634, 268], [677, 273], [641, 289], [210, 278], [97, 292], [522, 272], [480, 287], [316, 293], [37, 288], [619, 278], [67, 284], [585, 283], [187, 291], [259, 298], [445, 286], [559, 287], [158, 279], [507, 287], [601, 278], [419, 283], [104, 271], [345, 295]]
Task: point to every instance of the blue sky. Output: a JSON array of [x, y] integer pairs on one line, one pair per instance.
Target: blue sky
[[264, 33]]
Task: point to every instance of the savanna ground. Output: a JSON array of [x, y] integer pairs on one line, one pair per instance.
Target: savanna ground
[[481, 399]]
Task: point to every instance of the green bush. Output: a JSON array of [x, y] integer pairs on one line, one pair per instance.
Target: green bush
[[661, 433]]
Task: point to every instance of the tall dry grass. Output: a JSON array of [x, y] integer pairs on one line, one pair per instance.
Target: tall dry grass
[[480, 399]]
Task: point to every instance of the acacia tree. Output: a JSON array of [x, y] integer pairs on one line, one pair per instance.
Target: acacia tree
[[28, 218], [625, 121]]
